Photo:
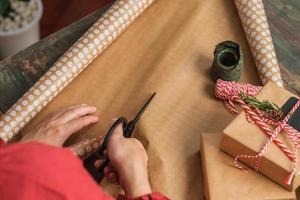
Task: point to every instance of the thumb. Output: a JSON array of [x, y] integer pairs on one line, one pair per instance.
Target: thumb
[[118, 132]]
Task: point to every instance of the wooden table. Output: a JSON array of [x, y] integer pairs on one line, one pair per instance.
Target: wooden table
[[284, 22], [59, 14]]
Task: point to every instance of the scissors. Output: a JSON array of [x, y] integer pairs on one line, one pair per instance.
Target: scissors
[[128, 127]]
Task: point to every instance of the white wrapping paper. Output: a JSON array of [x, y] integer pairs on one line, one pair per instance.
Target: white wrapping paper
[[255, 24]]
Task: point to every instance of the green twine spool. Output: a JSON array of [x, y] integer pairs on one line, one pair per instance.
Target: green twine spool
[[228, 62]]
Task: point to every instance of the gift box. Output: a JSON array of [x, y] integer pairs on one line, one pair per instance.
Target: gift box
[[244, 138], [223, 181]]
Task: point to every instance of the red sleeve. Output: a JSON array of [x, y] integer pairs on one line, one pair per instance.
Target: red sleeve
[[37, 171]]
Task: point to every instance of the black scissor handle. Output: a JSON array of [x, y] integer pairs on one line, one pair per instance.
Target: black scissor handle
[[120, 120], [89, 163], [128, 127]]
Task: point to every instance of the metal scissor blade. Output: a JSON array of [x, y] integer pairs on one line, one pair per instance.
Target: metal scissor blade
[[130, 126], [142, 110]]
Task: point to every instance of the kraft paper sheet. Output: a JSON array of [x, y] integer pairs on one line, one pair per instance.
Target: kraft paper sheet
[[169, 49], [254, 21], [223, 181]]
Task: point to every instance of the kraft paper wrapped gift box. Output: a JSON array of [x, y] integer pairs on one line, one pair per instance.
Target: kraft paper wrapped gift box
[[243, 137], [223, 181]]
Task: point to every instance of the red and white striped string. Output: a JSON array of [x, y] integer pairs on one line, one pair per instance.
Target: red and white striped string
[[227, 89], [229, 93]]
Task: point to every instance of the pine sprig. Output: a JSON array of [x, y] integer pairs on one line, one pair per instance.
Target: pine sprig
[[271, 109]]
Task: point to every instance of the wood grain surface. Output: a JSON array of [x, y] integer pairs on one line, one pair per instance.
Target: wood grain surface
[[58, 14], [284, 22]]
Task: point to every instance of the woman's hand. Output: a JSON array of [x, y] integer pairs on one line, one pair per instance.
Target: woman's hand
[[61, 125], [128, 156], [128, 165]]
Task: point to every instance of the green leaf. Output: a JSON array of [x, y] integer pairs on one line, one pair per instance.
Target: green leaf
[[271, 109], [3, 6]]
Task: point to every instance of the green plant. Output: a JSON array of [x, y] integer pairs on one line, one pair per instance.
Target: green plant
[[271, 109], [4, 4]]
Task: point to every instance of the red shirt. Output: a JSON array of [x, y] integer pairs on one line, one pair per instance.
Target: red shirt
[[37, 171]]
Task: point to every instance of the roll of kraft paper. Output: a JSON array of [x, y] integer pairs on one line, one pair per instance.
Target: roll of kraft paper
[[254, 21], [69, 66]]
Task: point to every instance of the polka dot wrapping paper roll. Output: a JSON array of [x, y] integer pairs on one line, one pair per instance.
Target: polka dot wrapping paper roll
[[68, 67], [254, 21], [85, 147]]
